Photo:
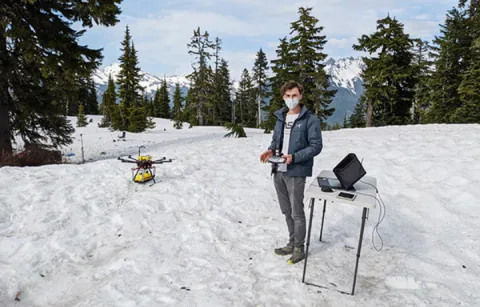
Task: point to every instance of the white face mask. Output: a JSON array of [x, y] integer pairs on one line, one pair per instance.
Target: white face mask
[[291, 102]]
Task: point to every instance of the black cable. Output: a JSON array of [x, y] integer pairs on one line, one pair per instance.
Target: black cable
[[380, 217], [375, 229]]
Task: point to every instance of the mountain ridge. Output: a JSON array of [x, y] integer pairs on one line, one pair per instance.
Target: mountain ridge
[[344, 73]]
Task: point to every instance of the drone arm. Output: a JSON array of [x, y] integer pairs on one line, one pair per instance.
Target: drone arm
[[161, 161], [128, 160]]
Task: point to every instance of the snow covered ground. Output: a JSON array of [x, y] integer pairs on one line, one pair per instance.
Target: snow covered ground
[[86, 235], [101, 143]]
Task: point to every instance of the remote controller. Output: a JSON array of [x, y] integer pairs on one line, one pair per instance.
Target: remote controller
[[276, 160]]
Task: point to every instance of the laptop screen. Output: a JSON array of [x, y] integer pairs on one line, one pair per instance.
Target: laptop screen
[[329, 182]]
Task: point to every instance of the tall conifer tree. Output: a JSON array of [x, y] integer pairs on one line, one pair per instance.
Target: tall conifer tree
[[423, 70], [282, 72], [201, 91], [469, 91], [246, 110], [389, 77], [451, 53], [165, 100], [109, 103], [177, 107], [260, 69], [130, 90], [41, 59], [307, 45]]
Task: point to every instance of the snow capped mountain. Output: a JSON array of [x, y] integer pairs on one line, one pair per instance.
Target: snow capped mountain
[[345, 72], [345, 78], [149, 82]]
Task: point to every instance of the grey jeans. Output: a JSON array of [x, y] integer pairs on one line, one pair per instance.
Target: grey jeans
[[290, 191]]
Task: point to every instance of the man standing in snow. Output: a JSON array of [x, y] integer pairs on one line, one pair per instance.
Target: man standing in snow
[[297, 136]]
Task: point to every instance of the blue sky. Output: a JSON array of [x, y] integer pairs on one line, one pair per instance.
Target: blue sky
[[161, 30]]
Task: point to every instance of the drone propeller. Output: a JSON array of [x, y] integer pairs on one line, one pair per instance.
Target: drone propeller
[[127, 161], [160, 161]]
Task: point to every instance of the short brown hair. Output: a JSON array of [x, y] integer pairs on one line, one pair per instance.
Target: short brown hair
[[291, 84]]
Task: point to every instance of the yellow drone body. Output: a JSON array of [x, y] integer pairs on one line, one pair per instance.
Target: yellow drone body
[[144, 158], [143, 177]]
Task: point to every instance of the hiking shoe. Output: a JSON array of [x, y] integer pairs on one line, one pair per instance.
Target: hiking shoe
[[297, 255], [287, 250]]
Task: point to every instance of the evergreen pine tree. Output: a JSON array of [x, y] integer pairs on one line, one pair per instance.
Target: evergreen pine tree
[[177, 108], [469, 91], [162, 106], [201, 91], [146, 104], [219, 107], [81, 119], [211, 98], [224, 93], [188, 113], [165, 100], [357, 119], [35, 37], [216, 102], [157, 103], [423, 72], [345, 122], [125, 82], [85, 93], [137, 119], [282, 72], [469, 88], [307, 46], [152, 107], [260, 69], [389, 78], [235, 129], [136, 77], [108, 103], [91, 105], [246, 107], [451, 52], [130, 89]]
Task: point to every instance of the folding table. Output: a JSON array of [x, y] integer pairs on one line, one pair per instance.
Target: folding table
[[365, 191]]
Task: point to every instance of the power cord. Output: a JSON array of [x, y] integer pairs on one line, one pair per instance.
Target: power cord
[[380, 217]]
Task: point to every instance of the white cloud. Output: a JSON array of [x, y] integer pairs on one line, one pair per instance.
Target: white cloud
[[162, 40], [423, 16], [421, 28], [162, 36], [335, 42]]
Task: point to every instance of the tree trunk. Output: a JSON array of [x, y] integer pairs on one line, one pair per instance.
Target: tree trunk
[[259, 111], [5, 129], [199, 113], [369, 113]]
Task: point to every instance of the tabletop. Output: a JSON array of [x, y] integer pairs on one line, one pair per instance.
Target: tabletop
[[366, 193]]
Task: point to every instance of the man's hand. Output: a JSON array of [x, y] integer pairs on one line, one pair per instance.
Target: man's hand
[[266, 155], [288, 159]]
